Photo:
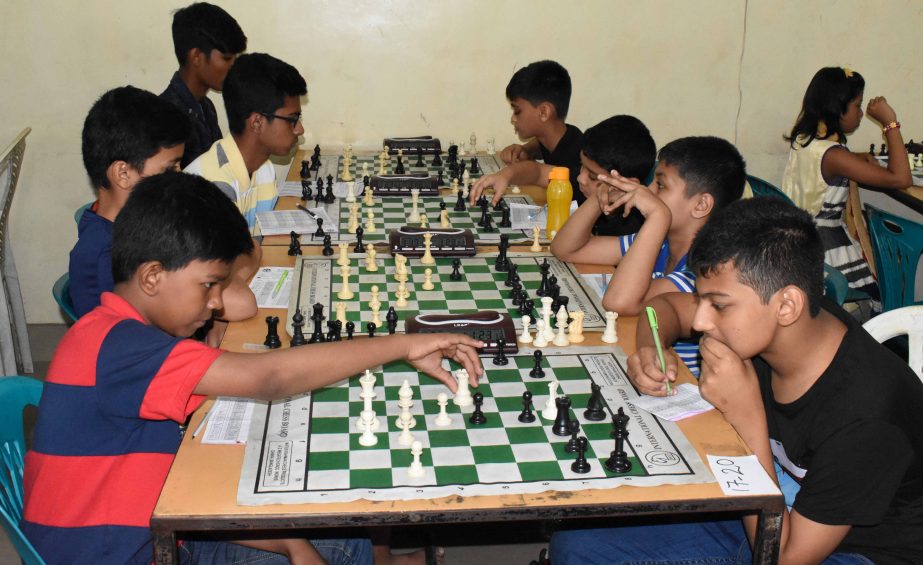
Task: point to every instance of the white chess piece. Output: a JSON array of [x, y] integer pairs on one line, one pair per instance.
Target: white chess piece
[[609, 335], [374, 301], [525, 336], [367, 381], [427, 258], [340, 308], [350, 191], [344, 254], [546, 317], [443, 419], [405, 438], [491, 145], [463, 396], [455, 187], [560, 338], [536, 245], [444, 219], [368, 438], [353, 222], [346, 176], [414, 216], [370, 222], [369, 196], [415, 470], [514, 188], [473, 143], [345, 292], [365, 169], [400, 268], [376, 317], [368, 420], [539, 340], [406, 418], [424, 221], [371, 263], [428, 280], [575, 334], [550, 411], [402, 294]]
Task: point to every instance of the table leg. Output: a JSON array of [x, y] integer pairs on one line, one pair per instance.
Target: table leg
[[768, 536], [164, 547]]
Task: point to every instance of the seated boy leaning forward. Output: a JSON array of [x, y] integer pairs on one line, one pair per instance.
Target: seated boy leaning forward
[[696, 176], [621, 143], [832, 415], [206, 40], [124, 379]]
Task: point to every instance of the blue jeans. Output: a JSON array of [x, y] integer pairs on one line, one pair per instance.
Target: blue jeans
[[691, 543], [335, 551]]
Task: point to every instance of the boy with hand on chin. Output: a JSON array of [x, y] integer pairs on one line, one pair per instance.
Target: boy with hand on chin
[[124, 378], [831, 414]]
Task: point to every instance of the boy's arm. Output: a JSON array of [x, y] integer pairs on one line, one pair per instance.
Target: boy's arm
[[277, 374], [523, 172], [675, 311], [515, 152], [576, 243]]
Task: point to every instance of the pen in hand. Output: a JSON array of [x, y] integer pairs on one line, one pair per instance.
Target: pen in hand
[[655, 329]]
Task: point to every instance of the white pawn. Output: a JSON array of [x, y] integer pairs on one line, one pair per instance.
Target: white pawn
[[536, 246], [402, 294], [575, 331], [463, 396], [344, 254], [546, 317], [428, 280], [443, 419], [369, 200], [345, 292], [424, 221], [415, 470], [371, 264], [370, 222], [609, 335], [414, 216], [350, 188], [525, 337], [539, 340], [560, 339], [340, 308], [374, 302], [427, 258], [550, 411], [368, 439]]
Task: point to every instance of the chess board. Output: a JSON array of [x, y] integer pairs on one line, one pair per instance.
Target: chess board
[[305, 449], [333, 165], [317, 280]]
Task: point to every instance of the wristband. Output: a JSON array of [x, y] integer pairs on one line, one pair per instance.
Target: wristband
[[889, 127]]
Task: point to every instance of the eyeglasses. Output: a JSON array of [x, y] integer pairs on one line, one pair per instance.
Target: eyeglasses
[[292, 120]]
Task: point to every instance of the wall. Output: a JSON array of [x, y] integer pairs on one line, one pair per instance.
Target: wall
[[375, 68]]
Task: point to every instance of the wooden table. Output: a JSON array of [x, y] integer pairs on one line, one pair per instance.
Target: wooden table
[[200, 493]]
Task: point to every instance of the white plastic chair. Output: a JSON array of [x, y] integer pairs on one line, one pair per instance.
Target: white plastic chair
[[902, 321]]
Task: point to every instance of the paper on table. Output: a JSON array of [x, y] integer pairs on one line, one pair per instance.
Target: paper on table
[[598, 282], [228, 421], [272, 286], [741, 475], [685, 403], [282, 222]]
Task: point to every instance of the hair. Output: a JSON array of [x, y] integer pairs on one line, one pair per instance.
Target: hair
[[132, 125], [772, 244], [622, 143], [542, 81], [206, 27], [826, 100], [708, 164], [175, 219], [258, 83]]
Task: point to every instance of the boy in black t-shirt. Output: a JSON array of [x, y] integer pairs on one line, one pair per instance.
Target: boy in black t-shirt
[[831, 414]]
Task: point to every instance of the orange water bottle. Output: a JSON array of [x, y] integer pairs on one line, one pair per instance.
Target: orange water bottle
[[560, 193]]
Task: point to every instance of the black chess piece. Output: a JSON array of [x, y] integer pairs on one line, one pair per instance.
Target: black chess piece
[[456, 274], [499, 205], [512, 271], [502, 264], [366, 181], [595, 406], [305, 190], [475, 166], [581, 465], [574, 429], [872, 149], [477, 417], [360, 247], [440, 180], [350, 328], [460, 203], [319, 232], [305, 169], [516, 294], [453, 154], [297, 329], [329, 198], [437, 160], [461, 168], [294, 246], [318, 318], [526, 416], [328, 246], [505, 221], [272, 340], [500, 358], [537, 372], [399, 168], [442, 206], [337, 331], [391, 319], [419, 162], [543, 285], [884, 150], [618, 460], [319, 197], [562, 420], [331, 330], [370, 328], [526, 308], [485, 213], [320, 186]]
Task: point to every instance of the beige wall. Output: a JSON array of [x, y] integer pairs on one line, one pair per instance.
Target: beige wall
[[375, 68]]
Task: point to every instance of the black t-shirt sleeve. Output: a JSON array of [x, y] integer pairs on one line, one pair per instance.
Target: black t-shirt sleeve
[[854, 474]]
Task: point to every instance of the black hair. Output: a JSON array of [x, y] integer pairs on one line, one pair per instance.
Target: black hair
[[258, 83], [622, 143], [176, 218], [542, 81], [772, 244], [826, 100], [206, 27], [707, 164], [132, 125]]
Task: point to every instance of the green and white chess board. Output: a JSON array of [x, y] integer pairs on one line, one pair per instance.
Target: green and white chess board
[[305, 449]]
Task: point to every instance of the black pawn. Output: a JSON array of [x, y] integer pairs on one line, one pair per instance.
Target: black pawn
[[328, 247], [475, 166], [437, 161], [581, 465], [883, 151], [294, 247], [526, 416], [331, 330], [442, 206], [500, 205], [305, 190], [562, 420], [419, 162], [595, 406], [297, 332], [350, 328], [337, 331], [456, 274], [618, 460], [391, 319], [477, 417], [272, 340], [318, 318], [574, 429], [360, 247], [537, 372], [305, 169], [319, 197], [872, 150], [516, 294], [500, 358], [399, 168], [440, 180], [505, 221], [460, 203], [370, 328]]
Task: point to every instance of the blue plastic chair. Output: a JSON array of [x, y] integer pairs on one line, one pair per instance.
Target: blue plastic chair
[[79, 213], [897, 243], [15, 394], [62, 295], [763, 188], [836, 287]]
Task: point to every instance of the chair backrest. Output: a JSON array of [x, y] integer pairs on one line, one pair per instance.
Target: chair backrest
[[10, 166], [763, 188], [62, 295], [79, 212], [897, 243], [836, 287], [902, 321], [15, 394]]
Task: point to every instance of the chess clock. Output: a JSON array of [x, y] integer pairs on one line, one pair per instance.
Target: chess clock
[[427, 144], [446, 242], [487, 326], [401, 185]]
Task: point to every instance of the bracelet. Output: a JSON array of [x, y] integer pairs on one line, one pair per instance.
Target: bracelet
[[889, 127]]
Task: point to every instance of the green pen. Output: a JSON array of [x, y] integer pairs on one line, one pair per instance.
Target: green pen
[[279, 284], [655, 329]]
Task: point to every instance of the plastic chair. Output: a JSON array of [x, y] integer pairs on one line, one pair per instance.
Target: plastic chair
[[897, 243], [62, 295], [763, 188], [903, 321], [15, 394], [79, 212], [836, 287]]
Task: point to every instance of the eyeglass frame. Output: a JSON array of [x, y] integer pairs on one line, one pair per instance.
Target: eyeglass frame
[[292, 120]]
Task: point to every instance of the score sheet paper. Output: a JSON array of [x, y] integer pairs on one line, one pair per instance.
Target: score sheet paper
[[687, 402], [272, 286], [741, 475]]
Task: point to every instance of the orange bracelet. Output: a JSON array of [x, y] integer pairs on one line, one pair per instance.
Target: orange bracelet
[[889, 127]]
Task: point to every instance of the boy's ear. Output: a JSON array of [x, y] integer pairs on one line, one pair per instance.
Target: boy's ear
[[703, 206], [149, 275], [793, 302], [255, 122], [121, 175], [545, 111], [195, 57]]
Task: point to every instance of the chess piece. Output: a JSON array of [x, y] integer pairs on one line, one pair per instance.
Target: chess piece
[[340, 308], [500, 358], [560, 338], [370, 222], [575, 330], [460, 202], [536, 246], [371, 263], [272, 340], [539, 340], [328, 247], [437, 160], [526, 416], [501, 263], [374, 302], [350, 328], [399, 168], [391, 319], [442, 419], [405, 438], [444, 219], [419, 162], [305, 190], [297, 333], [343, 259], [618, 460], [424, 221], [427, 258], [318, 317], [368, 196], [345, 292], [414, 216], [561, 426], [463, 394], [505, 221], [305, 170], [550, 411], [546, 318], [581, 465], [402, 294], [428, 280], [375, 317], [353, 221], [359, 245], [595, 406], [294, 247], [525, 336], [456, 265], [370, 329], [609, 335], [477, 417], [415, 470], [537, 372], [573, 428]]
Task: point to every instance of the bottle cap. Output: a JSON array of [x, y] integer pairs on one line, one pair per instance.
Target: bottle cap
[[559, 173]]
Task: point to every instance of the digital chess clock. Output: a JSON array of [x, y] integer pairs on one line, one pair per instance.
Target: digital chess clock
[[446, 242], [487, 326], [401, 185], [427, 144]]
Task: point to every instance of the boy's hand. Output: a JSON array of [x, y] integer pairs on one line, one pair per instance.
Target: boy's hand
[[513, 153], [728, 382], [496, 181], [879, 110], [632, 194], [644, 371], [427, 350]]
